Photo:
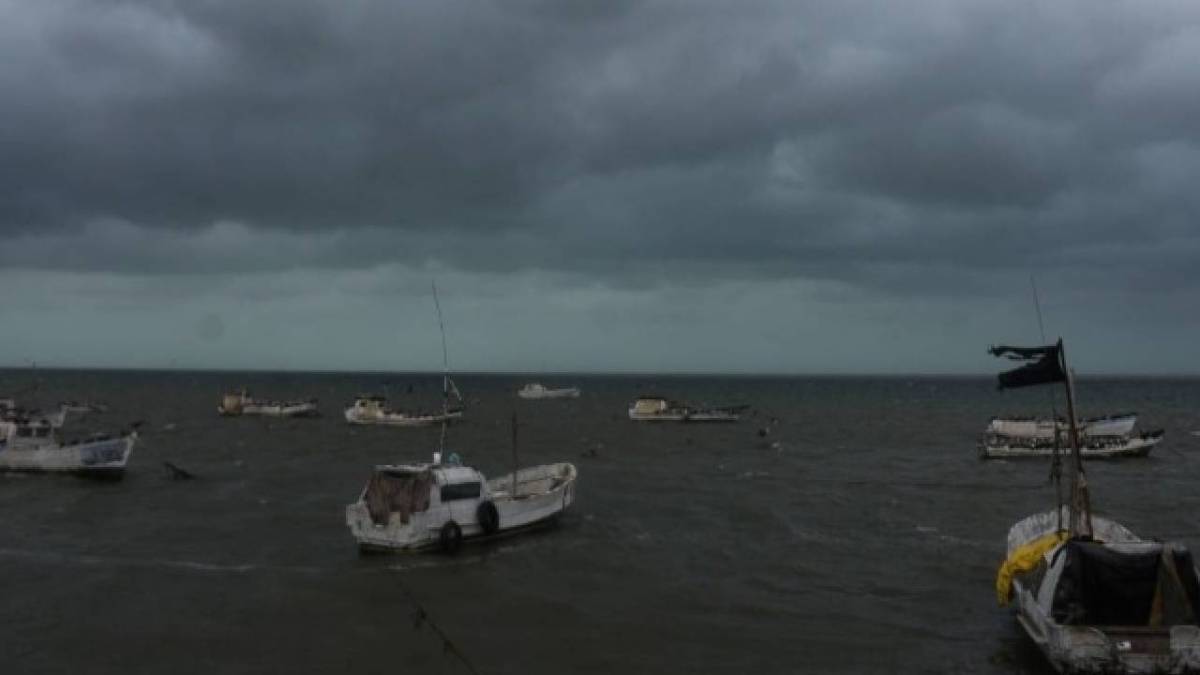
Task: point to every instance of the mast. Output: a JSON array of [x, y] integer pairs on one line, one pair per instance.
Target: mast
[[445, 370], [1081, 509], [516, 464], [1056, 457]]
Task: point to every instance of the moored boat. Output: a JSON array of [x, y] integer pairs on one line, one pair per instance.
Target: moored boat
[[32, 445], [368, 409], [410, 507], [536, 390], [1108, 602], [1043, 428], [240, 403], [1093, 596], [659, 409], [1110, 447]]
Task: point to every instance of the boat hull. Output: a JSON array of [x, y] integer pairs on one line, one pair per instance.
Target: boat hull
[[684, 417], [401, 419], [1127, 448], [103, 459], [528, 395], [299, 410]]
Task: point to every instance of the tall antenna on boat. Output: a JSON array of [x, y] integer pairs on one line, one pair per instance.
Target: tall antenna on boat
[[1056, 458], [445, 369]]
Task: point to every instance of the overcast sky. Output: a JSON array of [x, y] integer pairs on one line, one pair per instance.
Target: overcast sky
[[838, 186]]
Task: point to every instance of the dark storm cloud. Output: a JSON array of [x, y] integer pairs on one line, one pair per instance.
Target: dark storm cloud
[[901, 147]]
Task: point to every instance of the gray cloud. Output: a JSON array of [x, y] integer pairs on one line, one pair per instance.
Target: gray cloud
[[929, 149]]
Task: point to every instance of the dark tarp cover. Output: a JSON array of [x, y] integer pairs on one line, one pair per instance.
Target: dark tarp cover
[[405, 494], [1100, 586], [1046, 369]]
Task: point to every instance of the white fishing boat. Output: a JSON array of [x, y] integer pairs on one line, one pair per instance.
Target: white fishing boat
[[240, 403], [368, 409], [410, 507], [1043, 428], [1093, 596], [32, 445], [1099, 438], [659, 409], [536, 390]]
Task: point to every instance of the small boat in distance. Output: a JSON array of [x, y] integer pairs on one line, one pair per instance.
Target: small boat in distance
[[233, 405], [31, 445], [536, 390], [659, 409], [372, 409], [410, 507]]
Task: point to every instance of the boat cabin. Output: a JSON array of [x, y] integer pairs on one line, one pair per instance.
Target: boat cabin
[[26, 430], [650, 405], [370, 402], [1122, 588], [405, 490]]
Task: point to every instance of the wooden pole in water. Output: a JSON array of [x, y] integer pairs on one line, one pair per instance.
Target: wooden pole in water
[[1081, 512], [516, 464]]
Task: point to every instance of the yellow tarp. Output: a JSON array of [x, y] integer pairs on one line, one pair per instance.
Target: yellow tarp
[[1022, 560]]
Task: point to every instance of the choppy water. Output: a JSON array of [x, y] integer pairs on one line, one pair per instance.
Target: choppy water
[[865, 541]]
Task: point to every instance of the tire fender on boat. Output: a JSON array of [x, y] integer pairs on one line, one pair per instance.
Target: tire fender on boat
[[488, 517], [450, 538]]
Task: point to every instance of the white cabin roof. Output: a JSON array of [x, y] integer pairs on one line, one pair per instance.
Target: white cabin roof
[[445, 474]]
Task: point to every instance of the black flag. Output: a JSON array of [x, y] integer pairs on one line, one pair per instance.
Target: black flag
[[1044, 365]]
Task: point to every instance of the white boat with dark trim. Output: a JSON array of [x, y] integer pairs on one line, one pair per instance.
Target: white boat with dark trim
[[409, 507], [659, 409], [31, 445], [368, 409], [240, 403], [536, 390]]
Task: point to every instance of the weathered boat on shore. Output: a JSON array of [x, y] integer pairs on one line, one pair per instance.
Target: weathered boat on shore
[[241, 403], [1093, 596], [537, 390], [659, 409], [411, 507], [32, 445], [1105, 602], [374, 410]]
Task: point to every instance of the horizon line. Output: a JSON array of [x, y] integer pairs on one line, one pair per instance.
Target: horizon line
[[560, 373]]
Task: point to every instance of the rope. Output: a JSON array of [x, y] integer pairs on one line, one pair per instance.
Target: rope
[[421, 617]]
